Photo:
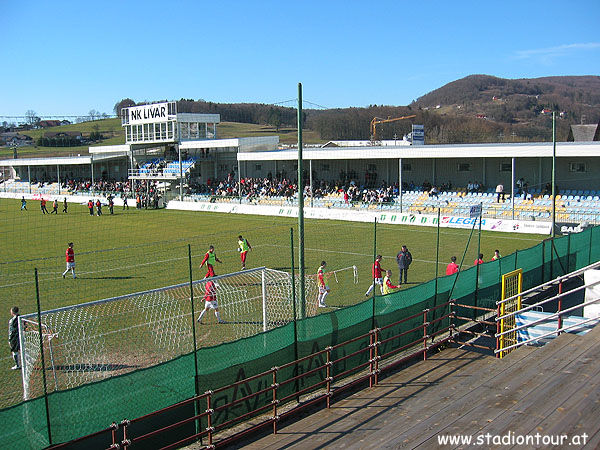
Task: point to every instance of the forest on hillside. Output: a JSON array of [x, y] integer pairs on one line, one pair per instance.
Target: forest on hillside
[[477, 108]]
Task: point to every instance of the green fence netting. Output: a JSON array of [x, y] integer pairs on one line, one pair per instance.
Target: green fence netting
[[92, 407]]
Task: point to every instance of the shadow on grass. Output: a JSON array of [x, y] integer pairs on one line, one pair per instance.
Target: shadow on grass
[[107, 278], [87, 367]]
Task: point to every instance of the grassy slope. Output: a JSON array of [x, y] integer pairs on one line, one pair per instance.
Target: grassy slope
[[113, 127]]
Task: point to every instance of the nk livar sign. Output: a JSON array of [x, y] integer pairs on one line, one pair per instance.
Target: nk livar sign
[[158, 112]]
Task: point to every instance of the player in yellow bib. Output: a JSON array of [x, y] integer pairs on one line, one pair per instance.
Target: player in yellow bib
[[243, 247], [210, 259], [323, 285], [388, 287]]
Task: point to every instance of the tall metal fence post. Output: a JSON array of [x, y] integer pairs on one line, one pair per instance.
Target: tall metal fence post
[[196, 404], [209, 411], [478, 269], [274, 400], [39, 317], [296, 367], [590, 252], [498, 330], [425, 323], [568, 252], [301, 208], [437, 257], [374, 256], [543, 262], [371, 356], [560, 319]]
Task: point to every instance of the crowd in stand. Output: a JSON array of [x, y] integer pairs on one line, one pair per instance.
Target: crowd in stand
[[252, 188]]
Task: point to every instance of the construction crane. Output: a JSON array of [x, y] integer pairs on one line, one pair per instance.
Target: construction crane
[[378, 120]]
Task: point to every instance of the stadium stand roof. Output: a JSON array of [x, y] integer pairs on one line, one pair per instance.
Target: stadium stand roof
[[528, 150]]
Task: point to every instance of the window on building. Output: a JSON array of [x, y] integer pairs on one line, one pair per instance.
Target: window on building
[[463, 167], [324, 167], [406, 167], [505, 167], [577, 167], [372, 167], [258, 167], [224, 167]]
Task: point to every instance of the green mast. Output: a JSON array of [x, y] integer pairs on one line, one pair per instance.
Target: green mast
[[301, 208]]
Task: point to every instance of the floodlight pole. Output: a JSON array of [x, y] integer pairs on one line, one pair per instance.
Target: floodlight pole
[[301, 208], [553, 173]]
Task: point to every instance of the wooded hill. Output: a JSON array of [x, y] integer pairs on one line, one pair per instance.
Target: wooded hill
[[477, 108]]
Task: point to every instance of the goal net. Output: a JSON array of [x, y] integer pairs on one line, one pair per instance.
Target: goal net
[[101, 339]]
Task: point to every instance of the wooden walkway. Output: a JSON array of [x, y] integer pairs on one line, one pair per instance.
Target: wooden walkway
[[551, 390]]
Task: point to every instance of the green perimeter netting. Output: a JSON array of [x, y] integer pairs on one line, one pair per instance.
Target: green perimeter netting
[[85, 409]]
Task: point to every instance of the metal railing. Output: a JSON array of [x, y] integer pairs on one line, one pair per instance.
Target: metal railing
[[323, 390], [559, 281]]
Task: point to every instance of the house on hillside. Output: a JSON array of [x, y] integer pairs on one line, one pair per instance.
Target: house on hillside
[[49, 123], [584, 133], [12, 138], [61, 134]]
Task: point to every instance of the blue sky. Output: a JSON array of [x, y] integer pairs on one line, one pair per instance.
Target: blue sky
[[67, 57]]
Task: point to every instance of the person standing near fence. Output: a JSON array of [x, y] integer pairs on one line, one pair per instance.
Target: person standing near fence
[[13, 336], [210, 259], [452, 268], [497, 255], [404, 259], [323, 285], [65, 205], [90, 206], [243, 247], [70, 257], [23, 204], [377, 278]]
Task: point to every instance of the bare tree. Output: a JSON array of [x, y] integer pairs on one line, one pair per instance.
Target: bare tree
[[31, 117]]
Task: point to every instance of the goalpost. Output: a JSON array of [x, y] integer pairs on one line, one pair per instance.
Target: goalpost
[[96, 340]]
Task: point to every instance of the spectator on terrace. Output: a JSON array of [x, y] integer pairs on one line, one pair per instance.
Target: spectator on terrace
[[433, 192]]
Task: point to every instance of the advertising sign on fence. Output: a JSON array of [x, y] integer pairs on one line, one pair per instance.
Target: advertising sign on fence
[[357, 215]]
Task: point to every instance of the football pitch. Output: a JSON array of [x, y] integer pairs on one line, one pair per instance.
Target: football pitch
[[138, 250]]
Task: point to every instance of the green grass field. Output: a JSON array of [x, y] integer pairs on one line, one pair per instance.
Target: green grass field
[[137, 250]]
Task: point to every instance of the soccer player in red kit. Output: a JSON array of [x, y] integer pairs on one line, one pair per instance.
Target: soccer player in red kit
[[210, 301], [323, 285], [70, 256], [377, 269], [452, 268], [210, 259]]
